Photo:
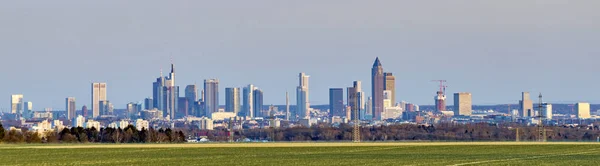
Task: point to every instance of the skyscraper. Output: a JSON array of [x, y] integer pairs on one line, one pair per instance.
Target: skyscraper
[[183, 108], [232, 100], [84, 111], [16, 104], [526, 105], [170, 95], [158, 92], [336, 102], [98, 94], [440, 101], [390, 85], [302, 103], [377, 87], [105, 107], [70, 107], [148, 103], [248, 102], [191, 94], [28, 110], [583, 110], [132, 110], [547, 113], [462, 104], [258, 103], [211, 96]]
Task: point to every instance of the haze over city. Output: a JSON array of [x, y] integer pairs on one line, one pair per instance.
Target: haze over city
[[495, 50]]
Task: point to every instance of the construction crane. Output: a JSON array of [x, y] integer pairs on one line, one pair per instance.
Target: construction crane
[[442, 86]]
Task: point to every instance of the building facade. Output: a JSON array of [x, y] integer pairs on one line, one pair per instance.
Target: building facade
[[583, 110], [525, 105], [211, 96], [248, 110], [70, 107], [98, 94], [258, 97], [377, 87], [390, 85], [232, 100], [16, 104], [336, 102], [462, 104], [302, 104]]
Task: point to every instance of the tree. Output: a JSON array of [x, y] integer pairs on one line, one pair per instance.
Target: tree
[[32, 137], [2, 131]]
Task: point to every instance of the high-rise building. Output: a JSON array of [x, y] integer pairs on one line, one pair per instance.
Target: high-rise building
[[440, 101], [28, 110], [232, 100], [16, 104], [70, 107], [377, 87], [547, 111], [336, 102], [526, 105], [355, 98], [302, 104], [583, 110], [390, 85], [148, 103], [258, 103], [462, 104], [84, 111], [211, 96], [98, 94], [132, 110], [387, 99], [166, 94], [105, 107], [248, 110], [191, 94], [368, 109], [183, 107]]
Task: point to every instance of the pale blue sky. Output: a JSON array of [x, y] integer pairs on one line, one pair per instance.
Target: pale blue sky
[[495, 49]]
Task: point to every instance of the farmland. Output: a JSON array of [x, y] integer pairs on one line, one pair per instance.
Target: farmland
[[478, 153]]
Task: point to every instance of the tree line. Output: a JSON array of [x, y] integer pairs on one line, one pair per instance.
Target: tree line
[[412, 132], [129, 134]]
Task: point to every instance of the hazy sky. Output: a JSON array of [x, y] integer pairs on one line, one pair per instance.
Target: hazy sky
[[494, 49]]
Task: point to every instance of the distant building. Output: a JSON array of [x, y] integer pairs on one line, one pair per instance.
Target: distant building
[[355, 99], [28, 110], [106, 108], [547, 111], [211, 96], [390, 85], [166, 94], [148, 103], [142, 124], [79, 121], [302, 93], [98, 94], [70, 107], [232, 100], [583, 110], [151, 114], [16, 104], [205, 124], [258, 102], [440, 101], [377, 87], [248, 110], [336, 102], [191, 94], [183, 107], [92, 123], [133, 110], [387, 99], [526, 105], [462, 104], [84, 111]]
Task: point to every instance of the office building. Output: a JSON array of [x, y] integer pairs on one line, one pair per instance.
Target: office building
[[158, 92], [377, 87], [70, 107], [84, 111], [232, 100], [166, 94], [106, 108], [390, 85], [191, 94], [248, 110], [98, 94], [287, 106], [336, 102], [16, 104], [440, 101], [132, 110], [547, 111], [148, 103], [583, 110], [355, 98], [462, 104], [182, 108], [28, 110], [257, 98], [526, 105], [302, 104], [79, 122], [211, 96]]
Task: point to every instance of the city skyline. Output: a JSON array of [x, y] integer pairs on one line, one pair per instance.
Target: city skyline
[[491, 49]]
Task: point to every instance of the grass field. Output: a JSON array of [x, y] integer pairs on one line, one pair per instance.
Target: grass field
[[480, 153]]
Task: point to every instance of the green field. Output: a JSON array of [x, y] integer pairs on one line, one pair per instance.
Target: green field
[[305, 154]]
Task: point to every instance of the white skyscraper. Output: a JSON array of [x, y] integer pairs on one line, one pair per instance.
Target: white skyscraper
[[547, 111], [16, 104], [302, 103], [98, 94]]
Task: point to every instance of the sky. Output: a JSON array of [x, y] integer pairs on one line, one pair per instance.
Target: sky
[[51, 50]]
